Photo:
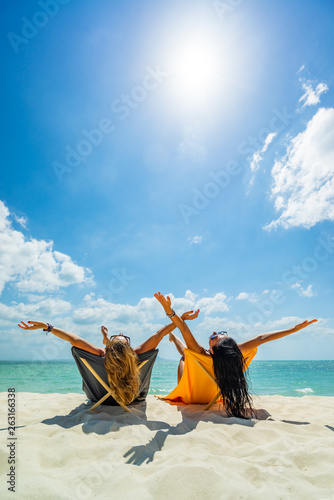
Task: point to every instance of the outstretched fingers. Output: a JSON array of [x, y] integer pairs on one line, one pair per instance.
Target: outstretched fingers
[[160, 298], [164, 301], [196, 313], [32, 325], [304, 324], [188, 315], [307, 322], [23, 325]]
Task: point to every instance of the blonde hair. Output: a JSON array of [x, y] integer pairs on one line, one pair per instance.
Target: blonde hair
[[121, 364]]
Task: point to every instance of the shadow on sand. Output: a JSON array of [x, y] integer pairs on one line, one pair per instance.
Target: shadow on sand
[[106, 419]]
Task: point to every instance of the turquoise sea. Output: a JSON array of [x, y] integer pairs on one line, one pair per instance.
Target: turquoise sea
[[287, 378]]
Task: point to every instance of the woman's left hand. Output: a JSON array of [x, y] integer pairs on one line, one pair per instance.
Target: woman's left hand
[[165, 302], [104, 330], [33, 325], [306, 323]]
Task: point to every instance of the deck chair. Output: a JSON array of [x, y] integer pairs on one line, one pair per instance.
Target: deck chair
[[95, 380], [198, 384]]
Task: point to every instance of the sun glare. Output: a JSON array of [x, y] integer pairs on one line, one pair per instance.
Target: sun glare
[[195, 69]]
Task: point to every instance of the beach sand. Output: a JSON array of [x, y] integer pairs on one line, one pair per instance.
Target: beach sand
[[160, 451]]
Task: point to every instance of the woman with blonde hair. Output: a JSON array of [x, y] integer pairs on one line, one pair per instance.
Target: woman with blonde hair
[[121, 362]]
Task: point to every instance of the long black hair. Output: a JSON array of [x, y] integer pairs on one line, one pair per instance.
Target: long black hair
[[228, 364]]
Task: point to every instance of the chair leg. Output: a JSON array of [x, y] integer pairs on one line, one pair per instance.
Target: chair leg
[[97, 376], [106, 396], [212, 402]]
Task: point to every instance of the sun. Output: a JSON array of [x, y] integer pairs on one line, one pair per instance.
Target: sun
[[195, 68]]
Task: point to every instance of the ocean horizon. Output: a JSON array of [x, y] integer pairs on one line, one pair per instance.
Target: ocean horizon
[[285, 378]]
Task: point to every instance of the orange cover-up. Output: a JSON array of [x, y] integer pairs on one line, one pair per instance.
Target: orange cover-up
[[195, 386]]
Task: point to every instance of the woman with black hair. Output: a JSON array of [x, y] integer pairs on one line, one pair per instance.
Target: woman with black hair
[[227, 356]]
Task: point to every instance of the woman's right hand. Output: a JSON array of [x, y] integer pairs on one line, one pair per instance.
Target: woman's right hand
[[33, 325]]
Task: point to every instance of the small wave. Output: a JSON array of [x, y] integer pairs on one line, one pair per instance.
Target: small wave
[[154, 391], [307, 390]]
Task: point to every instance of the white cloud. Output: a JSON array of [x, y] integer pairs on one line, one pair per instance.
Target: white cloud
[[190, 295], [216, 304], [304, 292], [197, 240], [255, 162], [89, 297], [253, 297], [147, 310], [301, 68], [43, 310], [32, 297], [268, 140], [312, 95], [304, 178], [23, 221], [243, 296], [32, 265], [207, 305]]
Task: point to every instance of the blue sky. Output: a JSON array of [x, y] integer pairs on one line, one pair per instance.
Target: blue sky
[[186, 147]]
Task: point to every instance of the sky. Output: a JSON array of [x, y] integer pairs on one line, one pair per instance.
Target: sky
[[180, 146]]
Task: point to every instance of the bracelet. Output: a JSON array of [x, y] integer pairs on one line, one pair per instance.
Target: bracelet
[[172, 314], [48, 329]]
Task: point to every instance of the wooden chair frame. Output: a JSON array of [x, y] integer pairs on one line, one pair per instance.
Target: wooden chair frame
[[106, 387], [213, 380]]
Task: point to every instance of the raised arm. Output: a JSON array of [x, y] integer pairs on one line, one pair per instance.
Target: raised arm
[[74, 339], [189, 339], [268, 337], [155, 339]]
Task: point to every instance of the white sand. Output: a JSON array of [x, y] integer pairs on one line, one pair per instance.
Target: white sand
[[161, 451]]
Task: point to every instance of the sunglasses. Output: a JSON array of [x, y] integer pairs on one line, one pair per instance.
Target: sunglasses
[[124, 336], [215, 335]]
